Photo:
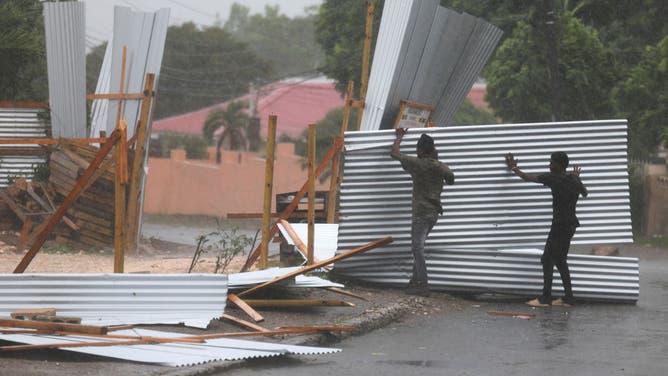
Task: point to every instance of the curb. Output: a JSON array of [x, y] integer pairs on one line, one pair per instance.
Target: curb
[[366, 322]]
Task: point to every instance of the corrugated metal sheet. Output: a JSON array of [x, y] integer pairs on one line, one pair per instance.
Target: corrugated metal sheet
[[488, 208], [65, 26], [116, 299], [427, 54], [326, 234], [20, 160], [144, 36], [172, 354], [238, 281]]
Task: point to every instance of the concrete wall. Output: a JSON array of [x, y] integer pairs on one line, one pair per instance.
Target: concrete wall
[[177, 185]]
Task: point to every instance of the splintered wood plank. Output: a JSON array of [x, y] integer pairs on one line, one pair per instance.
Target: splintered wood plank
[[74, 328], [245, 307], [244, 323]]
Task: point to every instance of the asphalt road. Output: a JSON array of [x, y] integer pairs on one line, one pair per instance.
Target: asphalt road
[[589, 339]]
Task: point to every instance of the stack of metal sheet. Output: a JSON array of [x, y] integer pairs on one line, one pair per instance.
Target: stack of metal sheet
[[490, 209], [21, 160], [118, 299], [428, 54], [143, 34]]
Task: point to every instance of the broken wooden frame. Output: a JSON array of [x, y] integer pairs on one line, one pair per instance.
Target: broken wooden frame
[[332, 153], [366, 247]]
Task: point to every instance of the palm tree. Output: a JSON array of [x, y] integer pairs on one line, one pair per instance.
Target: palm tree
[[234, 120]]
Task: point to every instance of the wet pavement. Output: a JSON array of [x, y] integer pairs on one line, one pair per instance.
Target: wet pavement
[[589, 339]]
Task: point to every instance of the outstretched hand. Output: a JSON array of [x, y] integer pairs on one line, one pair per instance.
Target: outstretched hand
[[400, 132], [577, 170], [511, 162]]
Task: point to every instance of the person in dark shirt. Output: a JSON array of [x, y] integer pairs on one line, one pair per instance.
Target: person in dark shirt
[[428, 175], [566, 189]]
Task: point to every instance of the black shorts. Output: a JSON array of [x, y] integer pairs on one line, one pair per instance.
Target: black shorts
[[558, 242]]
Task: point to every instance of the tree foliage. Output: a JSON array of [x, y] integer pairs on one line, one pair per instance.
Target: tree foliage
[[519, 81], [23, 74], [339, 29], [287, 44], [470, 115], [643, 99], [234, 121]]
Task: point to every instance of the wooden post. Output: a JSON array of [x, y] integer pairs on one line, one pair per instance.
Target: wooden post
[[268, 185], [338, 142], [370, 6], [122, 86], [74, 193], [119, 198], [334, 180], [311, 194], [136, 174]]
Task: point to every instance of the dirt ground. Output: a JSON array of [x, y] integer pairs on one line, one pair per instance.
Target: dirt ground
[[153, 256]]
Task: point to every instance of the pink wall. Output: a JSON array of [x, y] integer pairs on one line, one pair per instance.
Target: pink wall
[[177, 185]]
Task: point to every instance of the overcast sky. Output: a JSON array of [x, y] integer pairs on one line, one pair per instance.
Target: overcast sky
[[100, 13]]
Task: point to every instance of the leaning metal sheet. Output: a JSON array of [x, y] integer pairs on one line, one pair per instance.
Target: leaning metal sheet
[[173, 354], [428, 54], [65, 34], [488, 208], [21, 160], [117, 299]]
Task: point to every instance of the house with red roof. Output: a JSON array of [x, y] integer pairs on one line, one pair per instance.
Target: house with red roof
[[297, 102]]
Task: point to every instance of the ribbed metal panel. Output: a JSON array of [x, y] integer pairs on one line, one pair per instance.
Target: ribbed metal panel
[[116, 299], [430, 55], [488, 208], [144, 36], [20, 123], [174, 354], [65, 26]]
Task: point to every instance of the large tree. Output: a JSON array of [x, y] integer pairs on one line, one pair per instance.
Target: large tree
[[288, 44], [520, 79], [643, 99], [23, 74]]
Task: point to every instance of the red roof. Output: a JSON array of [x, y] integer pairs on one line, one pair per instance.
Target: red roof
[[296, 103]]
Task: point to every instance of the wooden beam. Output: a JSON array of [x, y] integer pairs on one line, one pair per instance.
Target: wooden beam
[[311, 195], [345, 292], [268, 187], [48, 141], [244, 323], [301, 247], [334, 180], [115, 96], [74, 193], [29, 313], [364, 248], [22, 215], [366, 54], [122, 85], [289, 303], [338, 143], [74, 328], [245, 307], [137, 170], [120, 199]]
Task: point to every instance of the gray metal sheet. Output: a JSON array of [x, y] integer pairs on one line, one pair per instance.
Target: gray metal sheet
[[174, 354], [432, 57], [117, 299], [20, 123], [488, 208], [144, 34], [238, 281], [65, 27]]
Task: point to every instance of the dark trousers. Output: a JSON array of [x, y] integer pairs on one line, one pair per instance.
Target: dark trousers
[[420, 228], [556, 254]]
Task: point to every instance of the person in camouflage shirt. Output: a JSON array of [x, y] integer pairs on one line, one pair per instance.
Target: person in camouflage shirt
[[428, 175], [566, 189]]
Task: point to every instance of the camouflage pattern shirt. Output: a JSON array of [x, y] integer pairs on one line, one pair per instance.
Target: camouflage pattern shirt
[[428, 175]]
